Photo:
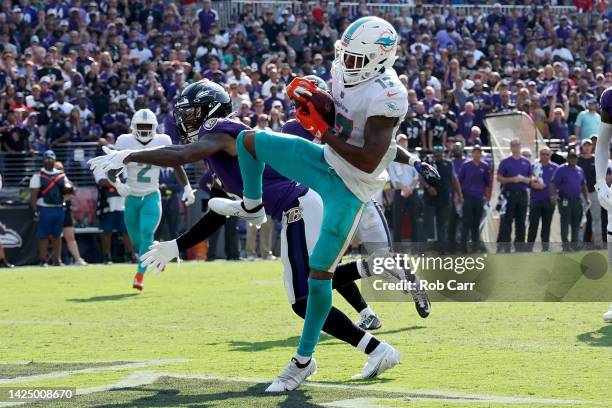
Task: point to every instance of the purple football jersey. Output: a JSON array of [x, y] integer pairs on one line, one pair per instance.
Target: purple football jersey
[[293, 127], [279, 193]]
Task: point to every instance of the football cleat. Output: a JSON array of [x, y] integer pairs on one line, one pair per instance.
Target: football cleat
[[608, 315], [369, 322], [233, 208], [401, 276], [292, 376], [420, 297], [382, 358], [6, 264], [138, 281]]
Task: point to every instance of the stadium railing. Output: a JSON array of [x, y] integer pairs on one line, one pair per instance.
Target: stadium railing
[[227, 9]]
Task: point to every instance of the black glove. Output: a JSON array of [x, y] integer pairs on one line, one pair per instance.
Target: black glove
[[428, 172]]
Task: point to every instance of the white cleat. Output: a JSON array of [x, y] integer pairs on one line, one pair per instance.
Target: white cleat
[[382, 358], [233, 208], [608, 315], [292, 376]]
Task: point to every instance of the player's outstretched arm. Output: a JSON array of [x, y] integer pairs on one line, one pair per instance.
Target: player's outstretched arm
[[405, 157], [425, 170], [161, 253], [377, 137], [176, 155]]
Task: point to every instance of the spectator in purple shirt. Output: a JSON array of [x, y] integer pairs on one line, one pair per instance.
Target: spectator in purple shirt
[[540, 204], [114, 121], [207, 16], [514, 174], [92, 131], [274, 97], [465, 121], [474, 177], [455, 215], [567, 184]]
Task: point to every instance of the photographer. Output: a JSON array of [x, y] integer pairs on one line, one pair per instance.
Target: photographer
[[48, 187]]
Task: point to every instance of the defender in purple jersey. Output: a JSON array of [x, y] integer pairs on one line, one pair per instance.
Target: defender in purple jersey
[[602, 158], [214, 141]]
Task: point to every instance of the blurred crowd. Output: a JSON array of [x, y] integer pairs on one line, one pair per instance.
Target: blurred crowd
[[75, 71]]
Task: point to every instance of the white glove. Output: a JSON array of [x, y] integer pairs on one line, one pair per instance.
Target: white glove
[[604, 195], [122, 188], [159, 254], [112, 160], [188, 195]]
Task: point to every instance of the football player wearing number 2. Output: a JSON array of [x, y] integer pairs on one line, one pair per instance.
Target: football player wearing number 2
[[141, 189], [370, 102]]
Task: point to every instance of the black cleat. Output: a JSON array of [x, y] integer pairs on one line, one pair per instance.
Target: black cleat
[[420, 297]]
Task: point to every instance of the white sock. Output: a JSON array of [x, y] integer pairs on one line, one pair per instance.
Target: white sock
[[363, 343], [301, 359], [250, 203], [366, 312]]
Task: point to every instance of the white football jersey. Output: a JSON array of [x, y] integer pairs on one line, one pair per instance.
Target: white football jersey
[[142, 178], [383, 95]]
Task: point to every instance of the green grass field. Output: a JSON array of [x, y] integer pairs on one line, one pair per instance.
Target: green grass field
[[214, 334]]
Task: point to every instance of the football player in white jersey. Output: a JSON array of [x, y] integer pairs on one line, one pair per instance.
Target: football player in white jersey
[[346, 171], [141, 189]]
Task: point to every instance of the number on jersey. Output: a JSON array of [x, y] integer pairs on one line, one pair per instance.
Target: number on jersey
[[141, 177]]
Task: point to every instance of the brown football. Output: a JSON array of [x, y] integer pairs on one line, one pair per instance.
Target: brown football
[[324, 105]]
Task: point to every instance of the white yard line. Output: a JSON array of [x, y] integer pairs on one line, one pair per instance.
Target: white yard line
[[67, 373], [141, 378], [429, 394], [94, 323]]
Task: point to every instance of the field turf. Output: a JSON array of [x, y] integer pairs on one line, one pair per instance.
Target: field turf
[[214, 334]]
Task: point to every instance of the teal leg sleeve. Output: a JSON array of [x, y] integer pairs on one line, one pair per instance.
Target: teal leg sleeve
[[251, 170], [131, 215], [317, 308], [295, 158], [150, 215]]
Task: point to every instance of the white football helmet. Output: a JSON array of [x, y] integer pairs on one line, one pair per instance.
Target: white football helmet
[[144, 125], [366, 47]]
